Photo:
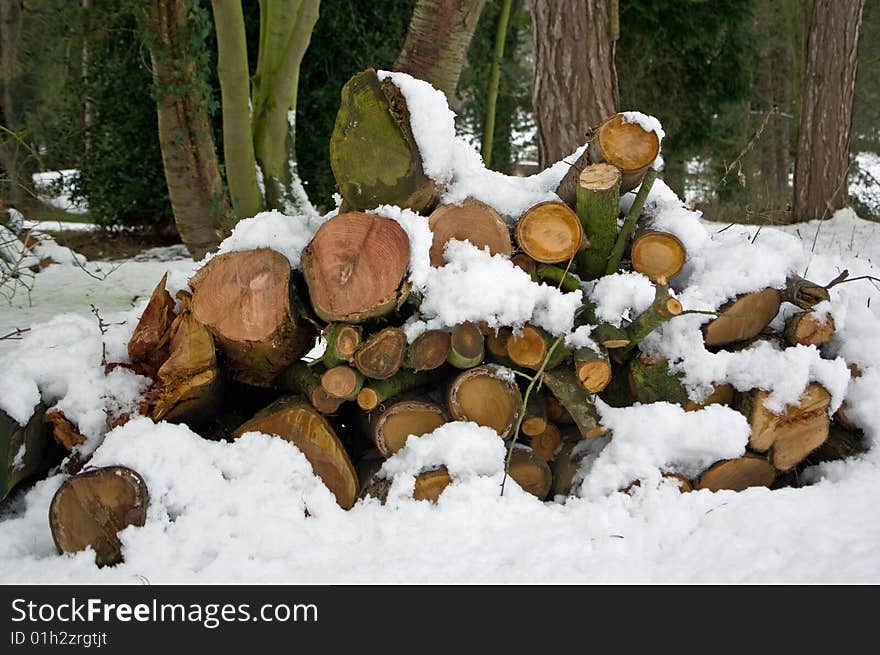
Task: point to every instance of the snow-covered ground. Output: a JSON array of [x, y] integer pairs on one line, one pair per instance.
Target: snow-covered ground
[[54, 188], [252, 511]]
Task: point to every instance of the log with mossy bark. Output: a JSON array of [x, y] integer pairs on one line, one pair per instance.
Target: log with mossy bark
[[295, 420], [663, 308], [246, 300], [472, 221], [597, 208], [651, 381], [564, 384], [355, 267], [376, 392], [789, 436], [373, 154], [630, 224], [92, 507], [628, 147], [466, 346], [382, 354], [390, 428], [427, 351], [300, 378], [487, 398], [550, 233], [808, 328], [743, 318], [342, 340]]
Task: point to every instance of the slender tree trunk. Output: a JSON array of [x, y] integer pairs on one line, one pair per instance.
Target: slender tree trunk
[[437, 42], [575, 82], [285, 30], [10, 35], [238, 141], [494, 81], [820, 179], [201, 210]]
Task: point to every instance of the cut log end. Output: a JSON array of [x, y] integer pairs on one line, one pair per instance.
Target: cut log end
[[657, 255], [342, 382], [550, 232], [473, 221], [628, 146], [91, 508], [481, 396], [403, 419], [530, 472], [428, 351], [466, 346], [593, 370], [809, 329], [743, 318], [382, 354], [738, 474], [546, 443], [599, 177]]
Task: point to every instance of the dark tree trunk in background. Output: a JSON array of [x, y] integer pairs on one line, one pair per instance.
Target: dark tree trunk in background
[[575, 83], [437, 41], [10, 34], [201, 210], [820, 178]]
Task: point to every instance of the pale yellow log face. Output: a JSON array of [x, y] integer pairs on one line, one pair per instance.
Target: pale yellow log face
[[550, 233], [627, 145]]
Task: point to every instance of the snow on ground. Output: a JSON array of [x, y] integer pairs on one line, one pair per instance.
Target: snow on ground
[[54, 188], [251, 511]]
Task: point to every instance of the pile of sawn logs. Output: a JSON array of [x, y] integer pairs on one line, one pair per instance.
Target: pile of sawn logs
[[227, 357]]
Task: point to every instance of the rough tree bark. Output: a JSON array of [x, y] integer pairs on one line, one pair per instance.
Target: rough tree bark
[[201, 211], [10, 36], [437, 41], [820, 178], [575, 81]]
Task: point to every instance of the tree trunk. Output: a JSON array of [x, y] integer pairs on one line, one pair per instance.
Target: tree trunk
[[238, 140], [285, 30], [10, 33], [820, 179], [201, 211], [437, 41], [575, 81]]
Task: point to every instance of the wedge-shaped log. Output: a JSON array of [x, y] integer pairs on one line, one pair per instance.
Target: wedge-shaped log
[[391, 427], [471, 221], [91, 508], [809, 329], [750, 470], [743, 318], [355, 267], [487, 398], [792, 435], [21, 448], [147, 342], [628, 147], [245, 300], [373, 154], [295, 420], [550, 233], [530, 471]]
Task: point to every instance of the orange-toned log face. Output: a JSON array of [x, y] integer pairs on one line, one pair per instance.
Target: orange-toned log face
[[550, 232], [472, 221], [355, 263], [627, 145]]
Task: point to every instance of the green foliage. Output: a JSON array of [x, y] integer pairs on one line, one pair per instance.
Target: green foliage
[[349, 37]]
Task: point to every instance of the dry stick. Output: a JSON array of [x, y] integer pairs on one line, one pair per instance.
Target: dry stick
[[535, 379], [629, 223]]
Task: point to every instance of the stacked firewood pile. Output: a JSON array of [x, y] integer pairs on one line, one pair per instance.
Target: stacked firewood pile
[[227, 357]]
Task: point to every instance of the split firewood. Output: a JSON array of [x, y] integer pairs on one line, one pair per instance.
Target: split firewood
[[295, 420], [661, 310], [792, 435], [487, 398], [188, 383], [391, 427], [657, 254], [466, 346], [593, 369], [21, 448], [803, 293], [428, 486], [628, 147], [550, 232], [535, 416], [381, 355], [496, 346], [148, 341], [651, 381], [529, 349], [545, 444], [743, 318], [343, 382], [530, 471], [809, 329], [373, 154], [92, 507], [355, 267], [302, 379], [342, 340], [375, 392], [427, 351], [750, 470], [722, 394], [564, 384], [597, 206], [471, 221], [245, 300], [64, 430]]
